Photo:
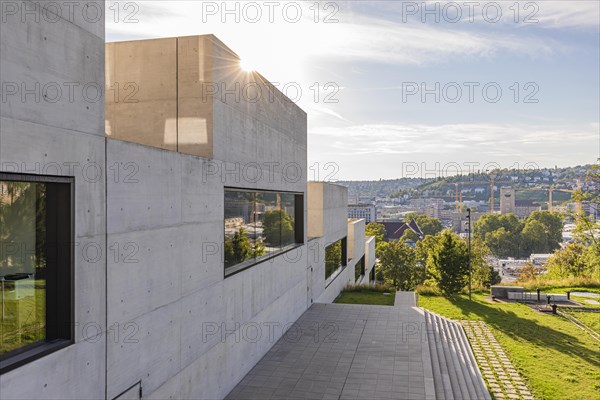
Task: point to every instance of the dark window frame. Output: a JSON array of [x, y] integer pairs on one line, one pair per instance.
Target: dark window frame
[[298, 229], [60, 258]]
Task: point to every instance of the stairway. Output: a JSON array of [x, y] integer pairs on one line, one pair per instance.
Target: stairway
[[456, 375]]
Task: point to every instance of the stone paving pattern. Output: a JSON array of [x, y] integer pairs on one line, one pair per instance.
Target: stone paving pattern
[[358, 352], [498, 371]]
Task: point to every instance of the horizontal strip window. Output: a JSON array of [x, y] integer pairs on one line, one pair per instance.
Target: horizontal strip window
[[259, 225], [359, 269], [336, 259], [36, 264]]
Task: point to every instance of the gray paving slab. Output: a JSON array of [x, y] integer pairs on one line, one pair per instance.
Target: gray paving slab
[[405, 299], [366, 352]]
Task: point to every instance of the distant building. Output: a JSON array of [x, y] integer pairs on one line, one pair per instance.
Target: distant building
[[539, 259], [524, 208], [507, 200], [395, 229], [362, 211]]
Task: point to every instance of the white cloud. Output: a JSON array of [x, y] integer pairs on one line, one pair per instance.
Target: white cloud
[[284, 48], [483, 139]]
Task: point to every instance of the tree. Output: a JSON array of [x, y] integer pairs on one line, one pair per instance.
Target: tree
[[535, 238], [502, 243], [491, 222], [500, 233], [482, 273], [375, 229], [553, 226], [428, 225], [333, 258], [278, 228], [238, 248], [399, 266], [378, 230], [448, 266], [527, 273], [570, 262]]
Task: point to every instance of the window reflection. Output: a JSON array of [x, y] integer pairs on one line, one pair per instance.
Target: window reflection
[[240, 231], [335, 259], [268, 221], [22, 264], [258, 224]]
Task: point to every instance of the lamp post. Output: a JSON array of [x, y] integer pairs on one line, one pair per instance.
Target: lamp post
[[469, 246]]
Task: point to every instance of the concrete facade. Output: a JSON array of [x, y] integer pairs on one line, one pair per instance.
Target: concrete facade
[[48, 129], [327, 223], [174, 213], [507, 200], [169, 324]]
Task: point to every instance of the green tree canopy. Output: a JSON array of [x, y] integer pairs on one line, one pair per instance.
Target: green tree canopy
[[483, 275], [375, 229], [535, 238], [333, 258], [570, 262], [239, 248], [399, 266], [449, 268], [378, 230], [278, 228], [553, 226]]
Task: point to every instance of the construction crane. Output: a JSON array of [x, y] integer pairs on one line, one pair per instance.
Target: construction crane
[[458, 201], [551, 189]]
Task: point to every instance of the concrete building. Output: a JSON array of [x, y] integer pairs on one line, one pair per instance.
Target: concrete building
[[507, 200], [524, 208], [190, 240], [52, 147], [366, 211], [328, 230]]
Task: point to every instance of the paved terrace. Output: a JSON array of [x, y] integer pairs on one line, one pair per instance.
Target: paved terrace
[[358, 352]]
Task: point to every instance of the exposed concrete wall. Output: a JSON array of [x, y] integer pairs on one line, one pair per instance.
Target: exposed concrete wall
[[61, 135], [328, 222], [356, 239], [314, 202], [369, 255], [173, 215], [175, 288], [194, 98]]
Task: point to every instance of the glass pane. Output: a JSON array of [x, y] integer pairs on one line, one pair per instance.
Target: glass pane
[[22, 264], [333, 258], [288, 211], [240, 232], [268, 221]]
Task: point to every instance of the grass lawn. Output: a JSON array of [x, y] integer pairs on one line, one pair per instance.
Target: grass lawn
[[589, 318], [558, 359], [366, 297]]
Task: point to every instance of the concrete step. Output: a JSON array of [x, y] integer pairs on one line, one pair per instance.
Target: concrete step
[[464, 370], [445, 372], [455, 371], [473, 368], [448, 355], [435, 362]]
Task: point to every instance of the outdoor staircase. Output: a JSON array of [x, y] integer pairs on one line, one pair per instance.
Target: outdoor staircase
[[456, 375]]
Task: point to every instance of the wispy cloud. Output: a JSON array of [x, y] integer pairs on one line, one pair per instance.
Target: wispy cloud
[[483, 139]]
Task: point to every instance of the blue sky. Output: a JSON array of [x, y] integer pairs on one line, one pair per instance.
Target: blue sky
[[377, 56]]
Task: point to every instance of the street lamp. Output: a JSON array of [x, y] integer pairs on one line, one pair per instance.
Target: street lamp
[[469, 246]]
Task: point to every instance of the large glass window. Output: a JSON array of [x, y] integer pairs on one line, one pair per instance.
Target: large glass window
[[335, 259], [260, 224], [359, 268], [35, 264]]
